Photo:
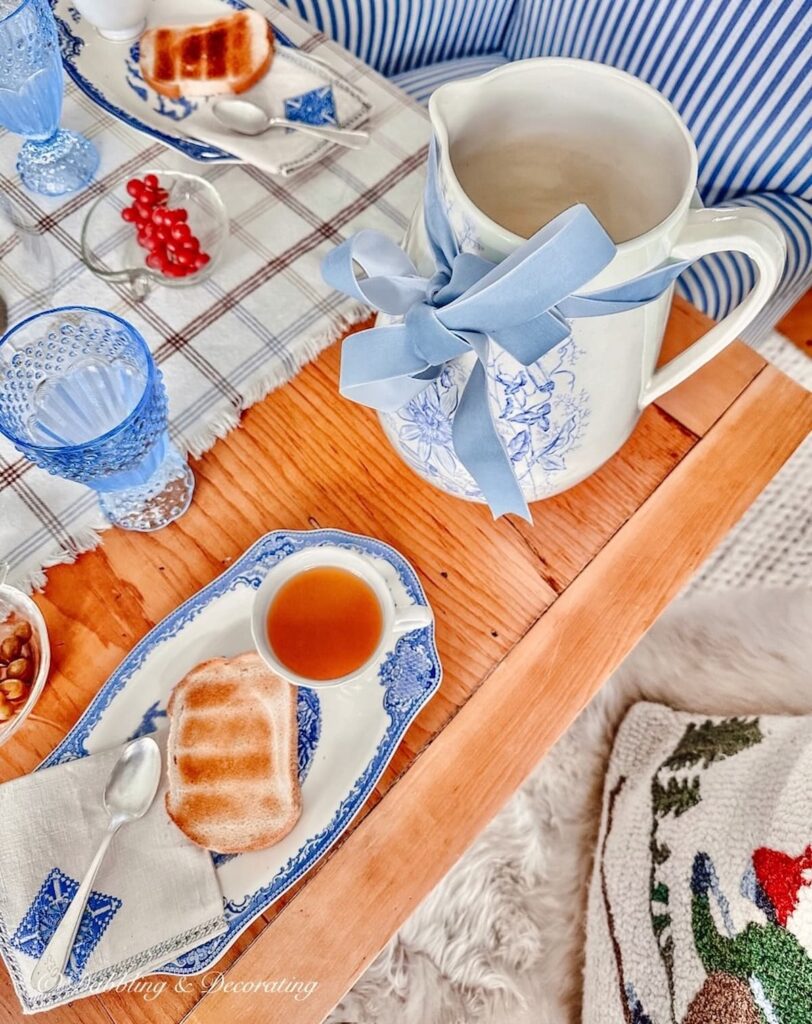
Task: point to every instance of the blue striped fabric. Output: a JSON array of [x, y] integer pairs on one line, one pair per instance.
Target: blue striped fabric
[[396, 35], [739, 72], [421, 82]]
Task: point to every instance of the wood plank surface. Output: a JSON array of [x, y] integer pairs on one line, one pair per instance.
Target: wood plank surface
[[483, 756], [304, 458]]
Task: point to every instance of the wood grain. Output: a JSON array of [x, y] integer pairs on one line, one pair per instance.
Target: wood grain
[[699, 401], [493, 586], [455, 787]]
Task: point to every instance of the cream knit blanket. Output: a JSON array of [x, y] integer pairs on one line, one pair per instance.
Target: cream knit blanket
[[700, 908]]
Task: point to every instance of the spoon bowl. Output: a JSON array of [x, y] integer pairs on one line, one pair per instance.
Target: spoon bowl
[[133, 782], [241, 116], [247, 118]]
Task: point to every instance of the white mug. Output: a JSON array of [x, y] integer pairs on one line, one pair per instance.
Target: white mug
[[119, 20], [395, 620], [605, 138]]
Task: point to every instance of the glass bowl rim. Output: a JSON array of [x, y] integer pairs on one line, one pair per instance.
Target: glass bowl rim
[[37, 619], [134, 274], [152, 375]]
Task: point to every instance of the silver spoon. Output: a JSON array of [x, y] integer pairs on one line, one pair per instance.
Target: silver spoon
[[247, 118], [128, 796]]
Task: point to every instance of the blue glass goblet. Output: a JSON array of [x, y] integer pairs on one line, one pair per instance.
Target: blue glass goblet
[[53, 161], [80, 396]]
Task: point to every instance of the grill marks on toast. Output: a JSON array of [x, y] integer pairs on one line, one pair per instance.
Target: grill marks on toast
[[209, 52], [164, 70], [227, 55], [233, 782]]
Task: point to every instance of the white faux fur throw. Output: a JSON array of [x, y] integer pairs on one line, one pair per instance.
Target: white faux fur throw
[[501, 939], [700, 907]]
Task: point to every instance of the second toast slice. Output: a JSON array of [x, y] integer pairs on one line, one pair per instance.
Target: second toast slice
[[228, 55]]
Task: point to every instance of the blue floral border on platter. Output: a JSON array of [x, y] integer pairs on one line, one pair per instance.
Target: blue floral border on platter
[[410, 676], [70, 44]]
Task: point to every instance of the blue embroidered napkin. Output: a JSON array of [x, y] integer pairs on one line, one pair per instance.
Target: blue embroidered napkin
[[156, 895]]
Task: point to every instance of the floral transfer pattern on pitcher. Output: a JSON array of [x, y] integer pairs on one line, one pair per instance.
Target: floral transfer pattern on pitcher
[[540, 412]]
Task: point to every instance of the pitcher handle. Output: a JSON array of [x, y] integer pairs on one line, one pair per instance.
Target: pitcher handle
[[736, 229]]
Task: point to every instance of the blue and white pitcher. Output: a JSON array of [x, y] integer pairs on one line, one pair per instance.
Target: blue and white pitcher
[[516, 147]]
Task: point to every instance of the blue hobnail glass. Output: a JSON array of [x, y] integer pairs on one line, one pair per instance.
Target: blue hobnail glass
[[53, 161], [81, 396]]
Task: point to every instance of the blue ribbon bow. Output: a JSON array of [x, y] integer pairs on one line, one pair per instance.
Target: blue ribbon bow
[[522, 304]]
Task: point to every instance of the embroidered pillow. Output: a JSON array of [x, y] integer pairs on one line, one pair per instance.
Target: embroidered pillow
[[700, 907]]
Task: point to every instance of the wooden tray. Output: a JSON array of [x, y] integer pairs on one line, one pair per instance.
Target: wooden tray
[[530, 621]]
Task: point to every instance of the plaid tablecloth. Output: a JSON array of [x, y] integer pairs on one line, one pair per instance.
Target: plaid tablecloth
[[224, 344]]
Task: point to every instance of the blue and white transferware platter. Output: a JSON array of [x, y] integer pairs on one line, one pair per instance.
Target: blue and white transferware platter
[[347, 735], [298, 86]]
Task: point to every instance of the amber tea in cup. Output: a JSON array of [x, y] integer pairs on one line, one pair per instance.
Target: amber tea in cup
[[324, 623]]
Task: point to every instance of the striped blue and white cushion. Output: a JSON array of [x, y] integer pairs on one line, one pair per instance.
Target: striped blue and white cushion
[[396, 35], [739, 72], [420, 83]]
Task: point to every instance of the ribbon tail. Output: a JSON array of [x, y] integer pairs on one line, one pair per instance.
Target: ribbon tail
[[480, 449], [629, 295]]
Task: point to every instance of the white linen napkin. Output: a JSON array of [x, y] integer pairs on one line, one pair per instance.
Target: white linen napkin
[[155, 897]]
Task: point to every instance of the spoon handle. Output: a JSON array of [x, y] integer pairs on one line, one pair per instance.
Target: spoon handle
[[48, 971], [341, 136]]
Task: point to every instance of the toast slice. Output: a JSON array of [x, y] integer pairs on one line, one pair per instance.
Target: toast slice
[[225, 56], [232, 755]]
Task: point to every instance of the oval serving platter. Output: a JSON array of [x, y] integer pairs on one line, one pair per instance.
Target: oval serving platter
[[347, 736], [298, 85]]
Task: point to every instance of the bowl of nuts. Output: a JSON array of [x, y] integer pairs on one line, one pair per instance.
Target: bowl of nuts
[[25, 657]]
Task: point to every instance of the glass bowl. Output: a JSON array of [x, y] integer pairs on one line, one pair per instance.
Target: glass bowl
[[110, 247], [13, 600]]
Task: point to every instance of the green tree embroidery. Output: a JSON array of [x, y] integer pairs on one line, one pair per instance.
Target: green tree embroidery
[[676, 797], [700, 745], [713, 741]]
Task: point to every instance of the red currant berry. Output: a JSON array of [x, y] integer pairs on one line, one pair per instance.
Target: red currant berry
[[201, 260], [151, 181], [135, 187], [129, 214]]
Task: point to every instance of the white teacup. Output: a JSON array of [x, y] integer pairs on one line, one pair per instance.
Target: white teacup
[[395, 620], [119, 20]]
